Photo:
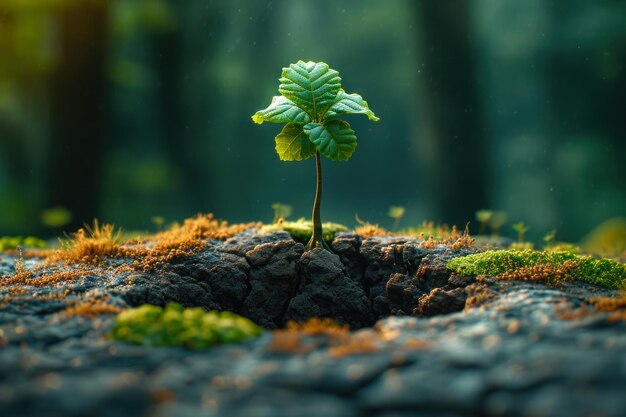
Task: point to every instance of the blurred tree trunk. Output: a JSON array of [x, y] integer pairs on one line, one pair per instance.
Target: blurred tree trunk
[[78, 110], [170, 46], [450, 138]]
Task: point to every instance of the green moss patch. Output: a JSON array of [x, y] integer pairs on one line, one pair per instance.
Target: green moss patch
[[176, 326], [604, 272], [302, 230], [13, 242]]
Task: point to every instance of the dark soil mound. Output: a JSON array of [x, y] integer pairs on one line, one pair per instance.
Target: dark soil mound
[[271, 280]]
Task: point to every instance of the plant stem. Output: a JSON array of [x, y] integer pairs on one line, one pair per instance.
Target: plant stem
[[317, 239]]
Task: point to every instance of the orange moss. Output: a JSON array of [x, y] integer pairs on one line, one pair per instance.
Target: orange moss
[[17, 291], [91, 246], [356, 344], [91, 309], [548, 273], [317, 326], [286, 342], [302, 338], [417, 344], [429, 243], [200, 227], [369, 230], [614, 307], [452, 238], [30, 278], [94, 244], [186, 239], [609, 304], [460, 240], [162, 396], [478, 294]]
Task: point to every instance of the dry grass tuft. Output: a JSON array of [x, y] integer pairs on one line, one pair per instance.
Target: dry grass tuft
[[90, 247], [94, 244]]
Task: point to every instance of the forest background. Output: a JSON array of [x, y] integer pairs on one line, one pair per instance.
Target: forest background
[[127, 110]]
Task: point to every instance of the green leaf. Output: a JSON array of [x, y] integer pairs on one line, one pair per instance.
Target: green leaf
[[292, 144], [350, 104], [334, 139], [312, 86], [281, 110]]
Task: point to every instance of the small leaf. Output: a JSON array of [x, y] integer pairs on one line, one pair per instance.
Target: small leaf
[[350, 104], [335, 139], [281, 110], [312, 86], [292, 144]]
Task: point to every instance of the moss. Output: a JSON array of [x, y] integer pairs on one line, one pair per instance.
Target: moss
[[314, 333], [505, 263], [522, 245], [14, 242], [301, 230], [92, 245], [91, 309], [90, 248], [613, 307], [564, 247], [369, 230], [181, 327]]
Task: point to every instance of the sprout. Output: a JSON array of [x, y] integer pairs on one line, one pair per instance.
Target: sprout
[[498, 219], [396, 213], [483, 217], [310, 104], [521, 230], [281, 211]]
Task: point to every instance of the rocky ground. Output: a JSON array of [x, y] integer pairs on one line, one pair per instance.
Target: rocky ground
[[440, 344]]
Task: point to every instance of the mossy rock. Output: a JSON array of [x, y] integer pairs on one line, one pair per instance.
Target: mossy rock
[[604, 272], [176, 326]]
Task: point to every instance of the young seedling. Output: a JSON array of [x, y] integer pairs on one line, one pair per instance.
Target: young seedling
[[521, 230], [158, 221], [281, 211], [396, 213], [310, 103], [497, 220], [549, 238], [483, 217]]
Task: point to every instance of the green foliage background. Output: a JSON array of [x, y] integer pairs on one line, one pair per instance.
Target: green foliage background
[[129, 109]]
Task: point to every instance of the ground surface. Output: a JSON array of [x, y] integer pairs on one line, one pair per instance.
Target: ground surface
[[457, 347]]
